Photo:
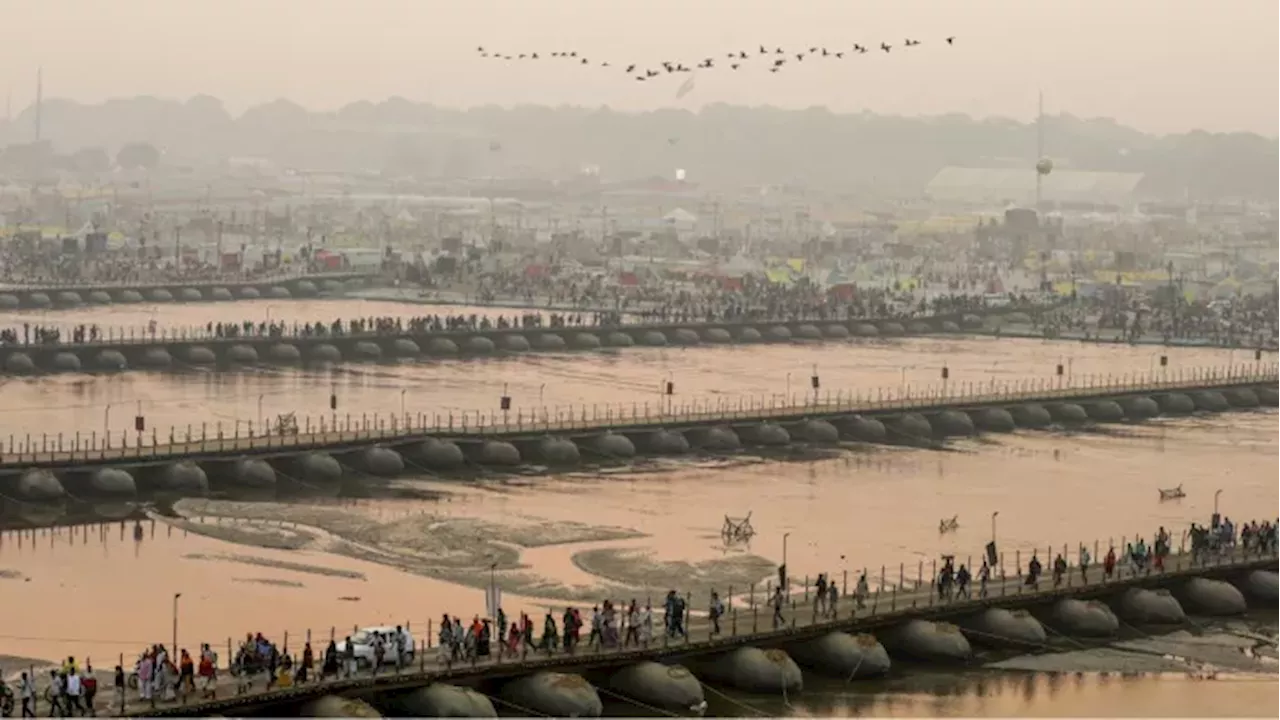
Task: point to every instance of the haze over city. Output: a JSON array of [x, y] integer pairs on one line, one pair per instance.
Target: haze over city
[[1160, 66]]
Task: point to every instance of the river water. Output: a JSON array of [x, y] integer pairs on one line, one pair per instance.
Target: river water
[[86, 404], [94, 590]]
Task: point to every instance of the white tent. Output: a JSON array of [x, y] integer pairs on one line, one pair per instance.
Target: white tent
[[680, 216], [738, 266]]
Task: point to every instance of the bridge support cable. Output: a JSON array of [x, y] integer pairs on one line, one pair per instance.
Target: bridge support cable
[[735, 702], [518, 708], [633, 701]]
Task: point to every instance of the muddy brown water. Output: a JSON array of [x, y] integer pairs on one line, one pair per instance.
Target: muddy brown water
[[95, 591], [633, 377]]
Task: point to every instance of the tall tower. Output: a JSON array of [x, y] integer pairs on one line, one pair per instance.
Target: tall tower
[[39, 98], [1039, 146]]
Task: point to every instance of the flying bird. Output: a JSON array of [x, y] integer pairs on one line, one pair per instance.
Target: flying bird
[[736, 59]]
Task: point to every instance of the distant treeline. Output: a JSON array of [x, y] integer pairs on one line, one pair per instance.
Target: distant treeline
[[721, 145]]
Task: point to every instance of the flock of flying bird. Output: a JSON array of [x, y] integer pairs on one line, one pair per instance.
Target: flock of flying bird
[[775, 58]]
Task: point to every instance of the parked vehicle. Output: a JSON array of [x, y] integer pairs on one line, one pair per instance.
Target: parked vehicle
[[363, 642]]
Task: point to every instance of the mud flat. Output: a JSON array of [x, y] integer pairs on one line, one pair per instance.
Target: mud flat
[[461, 550], [275, 582], [278, 565], [11, 666], [268, 537], [639, 569]]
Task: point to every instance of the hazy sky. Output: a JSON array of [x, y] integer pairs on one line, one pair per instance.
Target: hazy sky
[[1160, 65]]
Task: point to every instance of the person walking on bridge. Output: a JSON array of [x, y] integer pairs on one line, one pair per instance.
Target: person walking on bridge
[[1034, 568], [633, 625], [595, 638], [1109, 564], [1059, 569], [861, 591], [714, 611], [962, 581], [820, 594], [1084, 563], [984, 574], [776, 601], [27, 695]]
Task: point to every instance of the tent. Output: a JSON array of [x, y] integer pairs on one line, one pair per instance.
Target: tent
[[739, 266]]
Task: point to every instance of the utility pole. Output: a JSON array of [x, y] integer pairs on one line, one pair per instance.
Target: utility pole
[[1039, 147], [39, 98]]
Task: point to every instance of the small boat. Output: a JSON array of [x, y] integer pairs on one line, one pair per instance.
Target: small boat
[[949, 525], [1172, 493]]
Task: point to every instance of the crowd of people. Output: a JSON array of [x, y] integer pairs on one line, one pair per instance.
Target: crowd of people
[[41, 263], [1245, 321]]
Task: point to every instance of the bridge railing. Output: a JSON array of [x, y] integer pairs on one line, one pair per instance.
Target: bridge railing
[[126, 335], [758, 613], [332, 429], [294, 331]]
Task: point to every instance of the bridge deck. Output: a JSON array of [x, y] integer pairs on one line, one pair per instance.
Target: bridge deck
[[744, 624], [76, 285], [337, 432], [126, 337]]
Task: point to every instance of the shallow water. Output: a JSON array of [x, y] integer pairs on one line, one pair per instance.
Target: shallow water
[[988, 694]]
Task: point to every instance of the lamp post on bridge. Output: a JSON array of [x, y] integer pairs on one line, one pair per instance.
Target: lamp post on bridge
[[782, 570], [174, 650]]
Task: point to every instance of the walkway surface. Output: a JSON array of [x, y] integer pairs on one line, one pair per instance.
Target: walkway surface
[[77, 285], [745, 623], [330, 432]]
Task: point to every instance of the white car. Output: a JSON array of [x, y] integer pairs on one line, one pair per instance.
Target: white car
[[363, 641]]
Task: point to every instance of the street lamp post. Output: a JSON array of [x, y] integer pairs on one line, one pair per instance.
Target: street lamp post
[[993, 526], [782, 576], [260, 397], [106, 420], [173, 651], [786, 400], [493, 589], [402, 392], [1216, 493]]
